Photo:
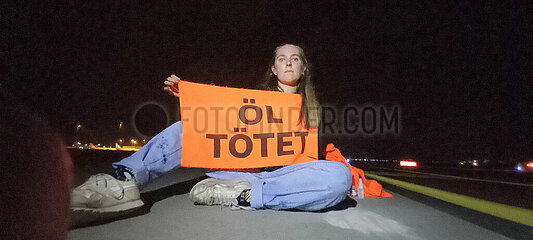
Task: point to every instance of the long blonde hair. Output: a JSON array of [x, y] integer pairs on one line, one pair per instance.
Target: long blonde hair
[[310, 109]]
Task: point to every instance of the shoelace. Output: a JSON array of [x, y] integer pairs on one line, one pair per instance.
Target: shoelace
[[105, 177]]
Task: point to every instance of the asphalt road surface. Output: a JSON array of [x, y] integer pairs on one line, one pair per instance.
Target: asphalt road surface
[[169, 214]]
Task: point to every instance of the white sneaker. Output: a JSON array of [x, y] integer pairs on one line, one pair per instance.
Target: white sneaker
[[219, 192], [102, 193]]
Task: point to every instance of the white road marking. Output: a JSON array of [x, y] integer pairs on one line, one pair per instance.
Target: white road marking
[[370, 223]]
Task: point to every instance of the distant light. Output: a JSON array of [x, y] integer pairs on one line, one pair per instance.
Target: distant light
[[519, 168], [79, 126], [405, 163], [529, 164], [120, 140]]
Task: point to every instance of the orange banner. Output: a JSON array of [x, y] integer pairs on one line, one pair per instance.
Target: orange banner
[[242, 128]]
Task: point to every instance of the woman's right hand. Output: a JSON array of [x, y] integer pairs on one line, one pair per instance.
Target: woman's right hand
[[171, 85]]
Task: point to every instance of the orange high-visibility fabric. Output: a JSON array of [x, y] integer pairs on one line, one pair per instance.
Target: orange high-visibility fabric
[[371, 187], [231, 128]]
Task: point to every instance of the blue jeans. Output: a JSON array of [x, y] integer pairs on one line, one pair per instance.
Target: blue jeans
[[307, 186]]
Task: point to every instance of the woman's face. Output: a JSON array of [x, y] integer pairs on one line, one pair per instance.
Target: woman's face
[[288, 65]]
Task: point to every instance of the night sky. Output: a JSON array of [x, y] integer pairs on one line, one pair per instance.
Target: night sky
[[460, 72]]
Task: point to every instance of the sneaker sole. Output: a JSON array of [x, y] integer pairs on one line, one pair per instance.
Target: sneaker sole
[[86, 216], [117, 208]]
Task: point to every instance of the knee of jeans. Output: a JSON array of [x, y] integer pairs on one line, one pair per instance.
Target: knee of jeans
[[339, 179]]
